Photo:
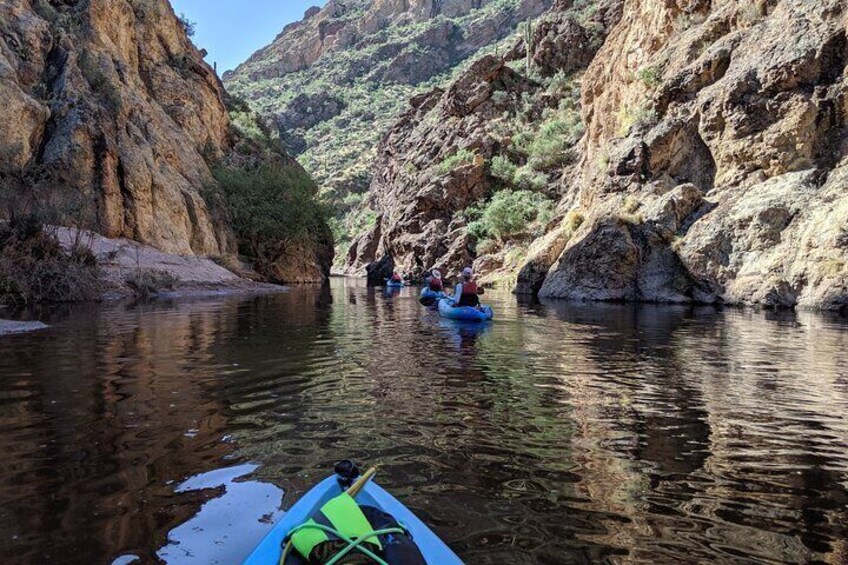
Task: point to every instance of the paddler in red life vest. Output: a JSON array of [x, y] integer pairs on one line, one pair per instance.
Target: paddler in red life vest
[[396, 278], [466, 291], [435, 281]]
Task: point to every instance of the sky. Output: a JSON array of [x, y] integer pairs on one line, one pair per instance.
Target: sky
[[232, 30]]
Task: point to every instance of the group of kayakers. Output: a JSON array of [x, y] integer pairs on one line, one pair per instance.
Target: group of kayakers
[[463, 304], [466, 291]]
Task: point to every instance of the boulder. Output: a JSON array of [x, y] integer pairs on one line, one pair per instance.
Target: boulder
[[379, 271]]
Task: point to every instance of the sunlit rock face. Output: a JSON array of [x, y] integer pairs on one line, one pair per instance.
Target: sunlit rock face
[[747, 103], [712, 168], [111, 120], [111, 102]]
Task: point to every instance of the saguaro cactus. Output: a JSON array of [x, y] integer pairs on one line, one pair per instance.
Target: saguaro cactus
[[528, 46]]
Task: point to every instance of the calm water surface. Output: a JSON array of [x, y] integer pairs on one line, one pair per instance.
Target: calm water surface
[[180, 430]]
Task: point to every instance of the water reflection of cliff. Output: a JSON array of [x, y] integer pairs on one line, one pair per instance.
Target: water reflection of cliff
[[100, 413], [701, 447]]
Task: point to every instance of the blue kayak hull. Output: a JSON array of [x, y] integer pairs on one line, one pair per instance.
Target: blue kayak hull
[[269, 550], [464, 313], [393, 284], [427, 293]]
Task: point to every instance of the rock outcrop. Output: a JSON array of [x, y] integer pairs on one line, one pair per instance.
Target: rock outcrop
[[746, 101], [415, 194], [436, 160], [712, 169], [111, 114], [114, 103]]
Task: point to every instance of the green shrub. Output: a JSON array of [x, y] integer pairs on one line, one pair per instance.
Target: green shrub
[[500, 98], [650, 77], [560, 84], [551, 148], [461, 157], [526, 178], [271, 207], [508, 214], [504, 169], [478, 230], [550, 145]]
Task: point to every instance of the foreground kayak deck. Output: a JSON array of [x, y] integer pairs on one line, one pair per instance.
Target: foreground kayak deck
[[464, 313], [270, 549]]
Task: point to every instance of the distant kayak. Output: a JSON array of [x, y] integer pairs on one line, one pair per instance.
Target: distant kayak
[[427, 293], [464, 313], [393, 284], [429, 297], [270, 549]]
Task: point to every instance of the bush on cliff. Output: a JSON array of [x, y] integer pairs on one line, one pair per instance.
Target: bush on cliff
[[509, 214], [271, 208]]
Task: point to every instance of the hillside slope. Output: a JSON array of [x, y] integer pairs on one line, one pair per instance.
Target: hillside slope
[[332, 84], [708, 163], [112, 121]]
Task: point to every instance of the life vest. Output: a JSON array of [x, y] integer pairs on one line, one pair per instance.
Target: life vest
[[436, 284], [469, 288], [343, 515], [396, 277]]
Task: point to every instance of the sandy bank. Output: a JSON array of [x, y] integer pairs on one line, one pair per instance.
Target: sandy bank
[[119, 258]]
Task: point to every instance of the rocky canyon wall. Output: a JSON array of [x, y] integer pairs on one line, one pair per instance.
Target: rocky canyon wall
[[720, 126], [111, 120], [109, 103], [711, 166]]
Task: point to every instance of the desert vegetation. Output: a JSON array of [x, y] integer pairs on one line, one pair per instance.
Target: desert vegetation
[[335, 137], [271, 207], [34, 267]]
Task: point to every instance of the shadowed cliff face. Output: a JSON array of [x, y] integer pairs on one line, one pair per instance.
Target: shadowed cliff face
[[712, 168]]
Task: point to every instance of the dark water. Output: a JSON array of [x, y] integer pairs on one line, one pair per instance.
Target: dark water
[[562, 433]]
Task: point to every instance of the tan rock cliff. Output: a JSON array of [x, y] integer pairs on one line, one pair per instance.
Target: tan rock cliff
[[111, 116], [746, 101], [110, 100]]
